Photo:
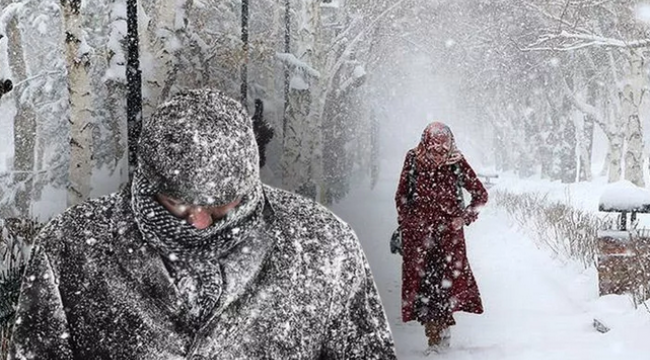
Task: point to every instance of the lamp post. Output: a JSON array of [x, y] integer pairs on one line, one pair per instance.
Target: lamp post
[[134, 84], [287, 50], [244, 39]]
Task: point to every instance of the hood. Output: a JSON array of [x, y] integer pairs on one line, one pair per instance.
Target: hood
[[199, 147]]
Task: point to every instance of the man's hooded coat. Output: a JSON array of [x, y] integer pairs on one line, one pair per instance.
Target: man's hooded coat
[[120, 277]]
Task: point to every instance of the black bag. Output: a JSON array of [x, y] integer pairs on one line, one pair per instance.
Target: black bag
[[396, 238], [396, 241]]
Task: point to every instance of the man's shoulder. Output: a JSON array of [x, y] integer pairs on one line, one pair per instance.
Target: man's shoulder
[[85, 223], [312, 238], [306, 220]]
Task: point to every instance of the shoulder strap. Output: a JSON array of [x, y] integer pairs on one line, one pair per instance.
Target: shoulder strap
[[460, 184], [412, 176]]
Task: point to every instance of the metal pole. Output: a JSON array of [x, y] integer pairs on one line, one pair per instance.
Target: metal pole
[[244, 39], [134, 84], [287, 50]]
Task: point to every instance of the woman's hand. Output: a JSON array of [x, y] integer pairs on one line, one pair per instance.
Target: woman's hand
[[470, 215], [457, 223]]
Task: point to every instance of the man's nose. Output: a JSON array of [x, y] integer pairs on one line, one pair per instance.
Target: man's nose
[[199, 217]]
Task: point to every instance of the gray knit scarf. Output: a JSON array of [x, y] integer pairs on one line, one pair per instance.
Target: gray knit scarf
[[193, 254]]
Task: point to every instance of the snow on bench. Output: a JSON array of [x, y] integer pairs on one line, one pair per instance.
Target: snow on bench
[[487, 176], [624, 197]]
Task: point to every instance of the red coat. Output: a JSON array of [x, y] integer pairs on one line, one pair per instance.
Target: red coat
[[436, 276]]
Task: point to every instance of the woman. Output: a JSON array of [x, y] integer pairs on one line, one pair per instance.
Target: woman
[[436, 277]]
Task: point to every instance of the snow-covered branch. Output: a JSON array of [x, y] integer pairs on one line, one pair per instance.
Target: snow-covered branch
[[356, 78], [555, 18], [580, 41], [7, 14], [583, 106], [45, 73], [292, 61], [353, 43]]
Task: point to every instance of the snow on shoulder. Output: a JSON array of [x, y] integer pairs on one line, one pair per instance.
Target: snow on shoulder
[[624, 196]]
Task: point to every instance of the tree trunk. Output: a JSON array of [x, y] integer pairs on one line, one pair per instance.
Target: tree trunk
[[605, 169], [287, 72], [24, 125], [634, 151], [302, 155], [158, 42], [116, 87], [295, 157], [585, 147], [375, 150], [78, 63], [567, 149], [615, 152], [631, 96]]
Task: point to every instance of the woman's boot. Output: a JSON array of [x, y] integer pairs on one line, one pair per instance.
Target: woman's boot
[[438, 335], [432, 331]]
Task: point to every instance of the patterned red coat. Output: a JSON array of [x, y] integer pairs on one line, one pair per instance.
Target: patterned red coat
[[436, 276]]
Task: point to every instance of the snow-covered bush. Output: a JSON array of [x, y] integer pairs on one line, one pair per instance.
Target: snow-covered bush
[[640, 247], [572, 234], [569, 232]]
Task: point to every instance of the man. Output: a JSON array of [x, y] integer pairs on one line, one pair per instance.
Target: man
[[5, 86], [263, 132], [199, 260]]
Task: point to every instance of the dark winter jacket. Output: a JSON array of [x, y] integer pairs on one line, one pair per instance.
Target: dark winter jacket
[[282, 278]]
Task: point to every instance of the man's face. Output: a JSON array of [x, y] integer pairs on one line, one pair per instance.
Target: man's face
[[201, 217]]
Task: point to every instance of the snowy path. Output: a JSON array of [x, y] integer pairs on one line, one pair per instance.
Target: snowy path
[[536, 307]]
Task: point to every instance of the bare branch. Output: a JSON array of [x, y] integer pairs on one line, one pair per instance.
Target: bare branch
[[580, 41], [584, 107]]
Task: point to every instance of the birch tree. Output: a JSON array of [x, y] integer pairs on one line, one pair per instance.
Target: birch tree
[[39, 94], [631, 96], [24, 118], [616, 33], [113, 90], [107, 77], [301, 157], [326, 76], [78, 62], [160, 48]]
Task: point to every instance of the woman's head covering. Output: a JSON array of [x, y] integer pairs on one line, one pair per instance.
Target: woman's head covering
[[437, 139]]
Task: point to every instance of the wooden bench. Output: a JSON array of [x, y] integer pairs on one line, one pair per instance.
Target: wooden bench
[[625, 199], [624, 212], [486, 177], [620, 250]]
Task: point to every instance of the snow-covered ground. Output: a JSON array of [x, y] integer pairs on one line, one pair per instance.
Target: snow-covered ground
[[536, 307]]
